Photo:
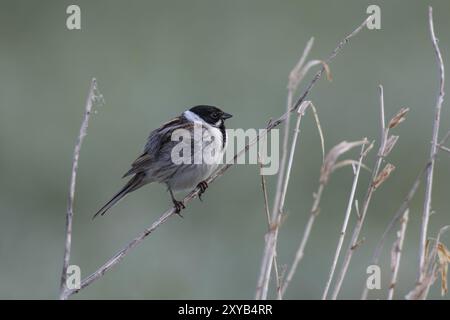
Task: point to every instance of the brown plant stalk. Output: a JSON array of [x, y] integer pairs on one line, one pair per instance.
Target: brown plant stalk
[[434, 145]]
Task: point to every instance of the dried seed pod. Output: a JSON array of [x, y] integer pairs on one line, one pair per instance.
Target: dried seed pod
[[390, 143], [444, 260], [383, 175], [332, 156], [398, 118]]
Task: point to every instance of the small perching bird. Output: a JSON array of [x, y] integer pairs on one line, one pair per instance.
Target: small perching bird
[[156, 164]]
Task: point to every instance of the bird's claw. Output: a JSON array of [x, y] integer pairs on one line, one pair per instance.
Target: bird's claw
[[179, 205], [203, 185]]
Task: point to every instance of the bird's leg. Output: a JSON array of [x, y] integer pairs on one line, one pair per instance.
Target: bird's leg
[[178, 204], [203, 185]]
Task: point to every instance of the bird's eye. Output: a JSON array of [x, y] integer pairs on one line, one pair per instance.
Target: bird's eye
[[216, 115]]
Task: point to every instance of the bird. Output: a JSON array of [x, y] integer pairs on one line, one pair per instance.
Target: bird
[[156, 163]]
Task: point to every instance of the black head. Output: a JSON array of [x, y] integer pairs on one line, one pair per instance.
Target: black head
[[210, 114]]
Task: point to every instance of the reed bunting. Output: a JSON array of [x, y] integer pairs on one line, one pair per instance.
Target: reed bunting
[[156, 163]]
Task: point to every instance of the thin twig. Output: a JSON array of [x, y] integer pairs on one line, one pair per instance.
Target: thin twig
[[399, 213], [420, 291], [430, 172], [194, 193], [121, 254], [301, 249], [430, 263], [295, 78], [301, 112], [397, 254], [446, 149], [359, 222], [344, 225], [76, 156], [328, 167], [404, 206], [266, 209], [281, 196], [270, 247], [264, 190]]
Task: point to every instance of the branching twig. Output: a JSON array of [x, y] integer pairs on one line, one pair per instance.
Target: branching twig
[[434, 142], [76, 156]]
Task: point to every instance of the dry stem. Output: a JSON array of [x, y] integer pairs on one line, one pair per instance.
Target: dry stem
[[295, 78], [344, 225], [266, 209], [271, 238], [359, 222], [434, 143], [397, 254], [76, 156], [399, 213], [328, 167]]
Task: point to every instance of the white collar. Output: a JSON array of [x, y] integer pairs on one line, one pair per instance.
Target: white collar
[[192, 116]]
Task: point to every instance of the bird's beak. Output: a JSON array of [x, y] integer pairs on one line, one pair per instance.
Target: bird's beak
[[226, 116]]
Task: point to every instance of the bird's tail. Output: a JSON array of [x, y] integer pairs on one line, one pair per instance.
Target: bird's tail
[[133, 184]]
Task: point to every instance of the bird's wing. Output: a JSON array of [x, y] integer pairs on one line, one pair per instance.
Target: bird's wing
[[155, 142]]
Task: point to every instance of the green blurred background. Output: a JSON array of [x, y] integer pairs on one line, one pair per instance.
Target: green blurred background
[[153, 59]]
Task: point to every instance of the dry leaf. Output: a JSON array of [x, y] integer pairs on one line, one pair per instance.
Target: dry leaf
[[370, 147], [327, 71], [390, 143], [398, 118], [294, 74], [349, 162], [301, 111], [332, 156], [383, 175], [299, 72], [444, 260]]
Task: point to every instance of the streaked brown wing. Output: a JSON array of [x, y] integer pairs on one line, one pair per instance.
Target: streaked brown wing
[[155, 141]]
